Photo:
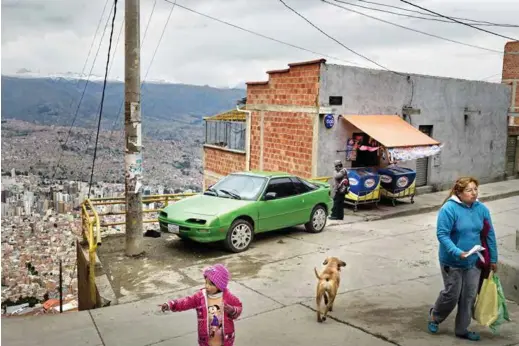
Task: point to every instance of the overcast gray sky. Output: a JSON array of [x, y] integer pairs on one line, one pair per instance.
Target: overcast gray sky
[[54, 36]]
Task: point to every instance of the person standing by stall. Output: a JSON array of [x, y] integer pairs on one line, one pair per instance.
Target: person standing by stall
[[340, 190]]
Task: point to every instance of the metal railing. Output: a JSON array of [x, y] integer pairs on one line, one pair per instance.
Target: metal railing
[[92, 234], [92, 224], [163, 199], [92, 221]]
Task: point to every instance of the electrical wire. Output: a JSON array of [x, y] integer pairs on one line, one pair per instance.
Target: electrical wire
[[88, 56], [122, 102], [395, 13], [333, 38], [411, 29], [93, 40], [81, 99], [408, 77], [459, 22], [99, 108], [429, 16], [119, 112], [261, 35], [475, 22], [102, 97], [160, 40]]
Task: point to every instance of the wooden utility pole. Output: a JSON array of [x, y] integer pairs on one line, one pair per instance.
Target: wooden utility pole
[[132, 126]]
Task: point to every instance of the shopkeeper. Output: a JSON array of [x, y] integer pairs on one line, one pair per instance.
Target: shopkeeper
[[340, 190]]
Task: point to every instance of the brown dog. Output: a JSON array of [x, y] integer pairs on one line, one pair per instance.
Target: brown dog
[[328, 285]]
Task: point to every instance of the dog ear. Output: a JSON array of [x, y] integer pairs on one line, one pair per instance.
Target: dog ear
[[325, 261], [342, 264]]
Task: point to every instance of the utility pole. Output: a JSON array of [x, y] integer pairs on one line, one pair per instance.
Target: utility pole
[[132, 127]]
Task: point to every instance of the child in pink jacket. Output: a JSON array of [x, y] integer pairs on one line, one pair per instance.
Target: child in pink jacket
[[216, 308]]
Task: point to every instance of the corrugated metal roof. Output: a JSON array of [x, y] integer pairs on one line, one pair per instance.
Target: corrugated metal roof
[[231, 115]]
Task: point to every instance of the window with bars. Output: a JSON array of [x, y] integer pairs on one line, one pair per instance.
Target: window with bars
[[226, 134]]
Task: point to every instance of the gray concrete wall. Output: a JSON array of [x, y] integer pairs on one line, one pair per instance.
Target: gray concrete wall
[[473, 147]]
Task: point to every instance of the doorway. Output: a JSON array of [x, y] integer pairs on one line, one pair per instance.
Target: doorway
[[511, 147], [422, 165]]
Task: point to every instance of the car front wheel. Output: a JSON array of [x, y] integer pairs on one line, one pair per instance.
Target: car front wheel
[[317, 220], [239, 236]]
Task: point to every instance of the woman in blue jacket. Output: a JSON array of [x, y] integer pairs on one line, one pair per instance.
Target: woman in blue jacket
[[459, 225]]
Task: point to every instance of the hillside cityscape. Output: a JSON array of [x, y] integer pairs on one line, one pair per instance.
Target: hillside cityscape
[[41, 199]]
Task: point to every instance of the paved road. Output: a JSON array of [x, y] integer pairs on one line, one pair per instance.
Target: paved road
[[391, 279]]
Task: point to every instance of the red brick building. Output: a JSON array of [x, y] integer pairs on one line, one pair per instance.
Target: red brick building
[[279, 125], [282, 126], [511, 77]]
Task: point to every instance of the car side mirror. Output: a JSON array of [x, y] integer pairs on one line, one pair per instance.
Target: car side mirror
[[270, 196]]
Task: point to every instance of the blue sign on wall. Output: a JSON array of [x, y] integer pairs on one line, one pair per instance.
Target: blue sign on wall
[[329, 121]]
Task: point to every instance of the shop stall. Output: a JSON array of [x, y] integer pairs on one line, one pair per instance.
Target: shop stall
[[374, 149]]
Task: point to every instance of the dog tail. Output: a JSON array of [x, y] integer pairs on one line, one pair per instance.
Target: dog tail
[[317, 274]]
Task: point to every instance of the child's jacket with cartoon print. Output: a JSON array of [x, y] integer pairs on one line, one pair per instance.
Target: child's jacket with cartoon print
[[198, 301]]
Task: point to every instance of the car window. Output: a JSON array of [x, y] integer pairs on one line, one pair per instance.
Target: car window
[[248, 187], [302, 186], [283, 187]]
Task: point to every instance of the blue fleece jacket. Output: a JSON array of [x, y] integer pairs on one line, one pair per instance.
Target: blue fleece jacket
[[458, 230]]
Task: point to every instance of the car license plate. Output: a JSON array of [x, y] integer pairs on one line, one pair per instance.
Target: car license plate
[[173, 229]]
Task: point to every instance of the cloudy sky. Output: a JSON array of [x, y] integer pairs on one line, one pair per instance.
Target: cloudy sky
[[54, 36]]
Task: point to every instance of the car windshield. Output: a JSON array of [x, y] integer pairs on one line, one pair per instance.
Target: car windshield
[[244, 186]]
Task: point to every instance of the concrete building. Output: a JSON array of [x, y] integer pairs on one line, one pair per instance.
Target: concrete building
[[285, 129], [510, 77]]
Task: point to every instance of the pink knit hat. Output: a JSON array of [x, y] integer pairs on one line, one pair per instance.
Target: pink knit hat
[[218, 275]]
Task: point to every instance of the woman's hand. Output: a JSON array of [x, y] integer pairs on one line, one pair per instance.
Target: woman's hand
[[463, 255], [493, 267]]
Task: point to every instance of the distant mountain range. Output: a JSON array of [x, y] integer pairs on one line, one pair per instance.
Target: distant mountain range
[[165, 106]]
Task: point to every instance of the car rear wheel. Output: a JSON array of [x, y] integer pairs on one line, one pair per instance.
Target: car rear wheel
[[239, 236], [317, 220]]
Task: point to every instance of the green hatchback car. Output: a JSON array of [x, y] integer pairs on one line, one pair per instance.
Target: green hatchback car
[[243, 204]]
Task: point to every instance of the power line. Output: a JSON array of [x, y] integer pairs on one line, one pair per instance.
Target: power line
[[149, 21], [429, 18], [475, 22], [142, 43], [115, 50], [411, 29], [93, 40], [89, 51], [261, 35], [102, 97], [81, 98], [460, 22], [160, 40], [99, 108], [332, 38]]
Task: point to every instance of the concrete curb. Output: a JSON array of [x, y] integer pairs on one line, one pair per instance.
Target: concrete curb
[[430, 208]]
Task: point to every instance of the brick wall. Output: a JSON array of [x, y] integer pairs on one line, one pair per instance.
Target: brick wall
[[296, 86], [511, 73], [287, 136], [222, 161]]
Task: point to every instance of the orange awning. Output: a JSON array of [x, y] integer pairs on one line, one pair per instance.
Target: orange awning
[[390, 130]]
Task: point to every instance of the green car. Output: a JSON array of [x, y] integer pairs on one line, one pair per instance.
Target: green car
[[243, 204]]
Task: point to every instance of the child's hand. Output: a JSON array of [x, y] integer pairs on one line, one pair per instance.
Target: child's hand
[[164, 307]]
